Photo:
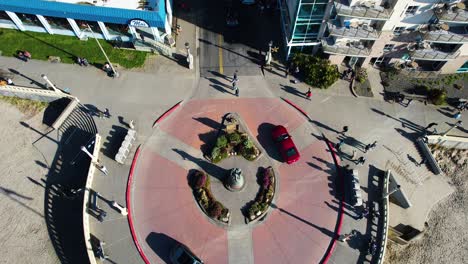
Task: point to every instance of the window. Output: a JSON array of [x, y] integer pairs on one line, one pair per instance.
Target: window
[[29, 20], [58, 23], [398, 30], [388, 47], [411, 10]]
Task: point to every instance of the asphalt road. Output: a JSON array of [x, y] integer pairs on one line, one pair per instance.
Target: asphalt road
[[225, 49]]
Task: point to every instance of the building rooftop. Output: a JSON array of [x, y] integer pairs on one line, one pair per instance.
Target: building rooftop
[[124, 4]]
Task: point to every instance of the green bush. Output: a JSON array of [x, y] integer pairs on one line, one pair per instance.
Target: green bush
[[437, 96], [221, 141], [215, 210], [234, 138], [361, 75], [318, 72]]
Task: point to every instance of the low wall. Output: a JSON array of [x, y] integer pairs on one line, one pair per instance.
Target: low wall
[[36, 94], [449, 141], [383, 222], [89, 183], [427, 153]]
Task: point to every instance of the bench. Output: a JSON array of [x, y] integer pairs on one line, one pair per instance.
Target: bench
[[125, 147], [356, 188]]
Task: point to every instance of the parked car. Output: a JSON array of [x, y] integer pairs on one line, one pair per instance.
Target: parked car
[[286, 146], [180, 254]]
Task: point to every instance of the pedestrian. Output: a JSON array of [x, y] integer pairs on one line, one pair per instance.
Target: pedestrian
[[296, 70], [308, 94], [368, 146], [234, 78], [234, 85], [457, 115], [423, 161], [107, 113], [361, 161], [286, 72], [345, 130], [142, 37], [346, 237], [9, 81], [364, 213], [131, 125], [373, 145], [103, 169]]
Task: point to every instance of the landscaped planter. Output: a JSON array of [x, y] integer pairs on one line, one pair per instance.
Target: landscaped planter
[[259, 207], [234, 140], [200, 183]]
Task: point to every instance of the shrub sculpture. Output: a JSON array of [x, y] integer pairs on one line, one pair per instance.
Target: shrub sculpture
[[202, 191], [318, 72], [264, 196], [233, 144]]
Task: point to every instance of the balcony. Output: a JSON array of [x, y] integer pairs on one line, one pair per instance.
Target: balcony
[[433, 55], [360, 32], [452, 13], [369, 12], [349, 49], [455, 35]]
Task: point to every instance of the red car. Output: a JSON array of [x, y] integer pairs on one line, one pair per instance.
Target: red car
[[286, 145]]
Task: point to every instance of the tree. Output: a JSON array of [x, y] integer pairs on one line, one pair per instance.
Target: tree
[[318, 72]]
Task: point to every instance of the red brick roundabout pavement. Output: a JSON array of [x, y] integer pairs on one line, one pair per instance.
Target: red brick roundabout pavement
[[163, 210]]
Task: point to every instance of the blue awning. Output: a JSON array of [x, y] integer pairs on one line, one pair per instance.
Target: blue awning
[[154, 18]]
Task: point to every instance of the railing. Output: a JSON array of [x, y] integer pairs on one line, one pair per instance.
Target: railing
[[415, 73], [345, 50], [430, 54], [386, 216], [358, 32], [445, 37], [458, 16], [364, 12]]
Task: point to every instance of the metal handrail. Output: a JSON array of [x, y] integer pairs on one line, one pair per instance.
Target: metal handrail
[[433, 54], [366, 12], [461, 16], [358, 32], [347, 50], [442, 37]]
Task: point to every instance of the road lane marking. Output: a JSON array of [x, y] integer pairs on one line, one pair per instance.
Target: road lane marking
[[220, 54]]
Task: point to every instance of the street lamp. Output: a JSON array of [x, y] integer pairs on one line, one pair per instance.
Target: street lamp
[[189, 56], [268, 55], [116, 74], [459, 123], [50, 83], [99, 166]]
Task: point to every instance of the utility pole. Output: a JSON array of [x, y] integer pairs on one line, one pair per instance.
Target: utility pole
[[103, 52], [50, 83], [459, 123]]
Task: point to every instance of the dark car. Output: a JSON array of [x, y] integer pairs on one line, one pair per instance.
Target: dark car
[[180, 254], [286, 146]]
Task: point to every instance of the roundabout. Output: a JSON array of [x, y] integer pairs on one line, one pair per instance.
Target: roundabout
[[298, 223]]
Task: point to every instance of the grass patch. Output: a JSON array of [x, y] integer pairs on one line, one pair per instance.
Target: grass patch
[[26, 106], [42, 45]]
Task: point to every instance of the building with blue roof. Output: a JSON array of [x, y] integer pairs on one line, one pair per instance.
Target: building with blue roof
[[122, 20]]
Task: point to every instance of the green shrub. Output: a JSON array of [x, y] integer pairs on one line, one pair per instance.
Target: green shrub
[[234, 138], [361, 75], [221, 141], [318, 72], [215, 153], [253, 208], [200, 180], [215, 210], [437, 96]]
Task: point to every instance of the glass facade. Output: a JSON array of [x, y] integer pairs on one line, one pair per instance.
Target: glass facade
[[463, 68], [58, 23], [5, 18], [29, 20], [309, 20], [118, 29], [92, 24]]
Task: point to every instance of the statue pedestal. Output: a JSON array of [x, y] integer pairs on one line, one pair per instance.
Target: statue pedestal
[[235, 181]]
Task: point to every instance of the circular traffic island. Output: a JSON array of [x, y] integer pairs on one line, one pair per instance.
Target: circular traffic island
[[272, 212]]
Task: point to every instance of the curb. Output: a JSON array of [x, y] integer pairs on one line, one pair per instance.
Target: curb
[[297, 108], [339, 223], [167, 113], [130, 220]]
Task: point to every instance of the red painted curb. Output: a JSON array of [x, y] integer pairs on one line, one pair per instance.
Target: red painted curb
[[297, 107], [340, 214], [167, 113], [130, 220]]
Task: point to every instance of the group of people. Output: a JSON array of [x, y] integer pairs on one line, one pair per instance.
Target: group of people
[[24, 55], [82, 61]]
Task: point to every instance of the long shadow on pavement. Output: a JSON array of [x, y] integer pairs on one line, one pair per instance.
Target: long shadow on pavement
[[161, 244], [208, 167]]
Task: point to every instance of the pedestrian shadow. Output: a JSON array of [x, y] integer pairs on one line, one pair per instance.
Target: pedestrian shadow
[[122, 122], [217, 74], [322, 125], [410, 136], [264, 138], [161, 244], [292, 90], [325, 231], [445, 113], [346, 209], [210, 168], [411, 125]]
